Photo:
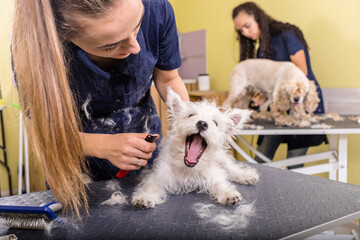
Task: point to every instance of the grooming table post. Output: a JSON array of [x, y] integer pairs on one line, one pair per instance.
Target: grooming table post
[[332, 158], [241, 152], [23, 150], [256, 152], [20, 165], [342, 157]]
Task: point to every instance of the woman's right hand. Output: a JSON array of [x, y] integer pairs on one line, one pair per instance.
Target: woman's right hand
[[122, 150], [258, 99]]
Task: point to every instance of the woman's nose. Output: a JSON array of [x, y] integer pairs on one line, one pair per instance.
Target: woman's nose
[[132, 45], [245, 32]]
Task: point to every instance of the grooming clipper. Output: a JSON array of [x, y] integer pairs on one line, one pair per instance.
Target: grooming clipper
[[123, 173]]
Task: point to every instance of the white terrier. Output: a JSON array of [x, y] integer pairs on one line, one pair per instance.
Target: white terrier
[[195, 156]]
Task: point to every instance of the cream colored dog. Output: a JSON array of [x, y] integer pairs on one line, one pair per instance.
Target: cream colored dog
[[284, 85], [294, 103]]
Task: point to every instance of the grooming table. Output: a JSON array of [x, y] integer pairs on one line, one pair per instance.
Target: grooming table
[[287, 205], [337, 154]]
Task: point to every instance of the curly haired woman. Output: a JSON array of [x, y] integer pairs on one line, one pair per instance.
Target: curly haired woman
[[280, 42]]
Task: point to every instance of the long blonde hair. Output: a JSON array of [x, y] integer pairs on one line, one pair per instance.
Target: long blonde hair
[[49, 110]]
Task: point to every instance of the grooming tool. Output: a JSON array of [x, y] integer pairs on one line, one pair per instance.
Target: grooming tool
[[150, 138], [29, 217], [9, 237], [123, 173]]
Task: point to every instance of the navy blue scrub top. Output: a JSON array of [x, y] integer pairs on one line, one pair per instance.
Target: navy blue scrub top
[[286, 44], [119, 101]]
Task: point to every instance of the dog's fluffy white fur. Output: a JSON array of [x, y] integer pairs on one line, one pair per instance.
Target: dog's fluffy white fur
[[184, 166], [286, 87]]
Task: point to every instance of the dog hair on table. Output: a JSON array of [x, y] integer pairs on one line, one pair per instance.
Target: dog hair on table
[[285, 86], [194, 155], [226, 219], [117, 198]]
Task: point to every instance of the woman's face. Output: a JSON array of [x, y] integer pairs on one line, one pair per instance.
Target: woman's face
[[247, 25], [114, 34]]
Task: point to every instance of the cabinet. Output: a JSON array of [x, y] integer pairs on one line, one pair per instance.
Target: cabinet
[[218, 96]]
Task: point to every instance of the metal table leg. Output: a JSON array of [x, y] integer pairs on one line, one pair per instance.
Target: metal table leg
[[3, 148]]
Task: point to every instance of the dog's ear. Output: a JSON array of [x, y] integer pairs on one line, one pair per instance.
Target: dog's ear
[[174, 102], [238, 117], [282, 99], [312, 99]]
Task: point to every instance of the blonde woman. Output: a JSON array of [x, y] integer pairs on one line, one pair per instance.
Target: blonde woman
[[84, 71]]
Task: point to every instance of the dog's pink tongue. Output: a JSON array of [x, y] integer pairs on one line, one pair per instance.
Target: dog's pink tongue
[[195, 148]]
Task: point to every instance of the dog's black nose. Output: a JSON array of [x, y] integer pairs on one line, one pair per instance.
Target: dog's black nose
[[296, 99], [202, 125]]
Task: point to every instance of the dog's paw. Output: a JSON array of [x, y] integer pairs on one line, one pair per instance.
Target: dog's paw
[[305, 123], [230, 198], [142, 203], [146, 201], [249, 176], [283, 121]]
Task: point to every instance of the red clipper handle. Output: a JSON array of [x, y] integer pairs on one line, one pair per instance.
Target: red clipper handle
[[123, 173]]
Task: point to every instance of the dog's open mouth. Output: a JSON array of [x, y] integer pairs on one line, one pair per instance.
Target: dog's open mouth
[[194, 148]]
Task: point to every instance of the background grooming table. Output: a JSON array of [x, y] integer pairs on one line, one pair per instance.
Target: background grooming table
[[288, 205], [337, 153]]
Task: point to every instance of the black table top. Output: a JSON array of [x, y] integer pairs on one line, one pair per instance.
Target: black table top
[[286, 204]]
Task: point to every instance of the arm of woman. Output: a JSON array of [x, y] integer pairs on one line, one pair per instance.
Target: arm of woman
[[300, 61], [122, 150], [164, 79]]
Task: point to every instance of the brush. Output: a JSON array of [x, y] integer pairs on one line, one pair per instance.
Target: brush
[[29, 217], [123, 173]]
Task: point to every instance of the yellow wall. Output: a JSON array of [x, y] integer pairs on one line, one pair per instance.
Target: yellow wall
[[331, 27], [9, 95]]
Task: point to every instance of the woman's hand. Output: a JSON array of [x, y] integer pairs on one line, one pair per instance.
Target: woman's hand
[[256, 101], [122, 150]]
